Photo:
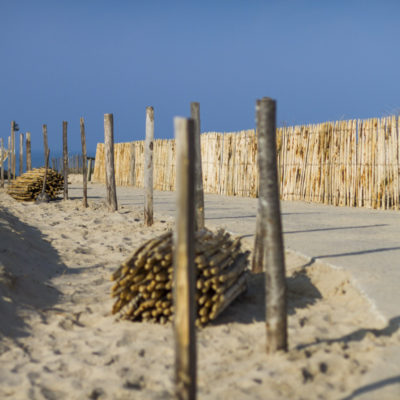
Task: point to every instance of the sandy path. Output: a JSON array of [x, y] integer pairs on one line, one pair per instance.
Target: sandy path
[[59, 341]]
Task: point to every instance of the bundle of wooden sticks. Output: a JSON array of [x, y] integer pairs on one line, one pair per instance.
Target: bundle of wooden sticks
[[28, 186], [143, 287]]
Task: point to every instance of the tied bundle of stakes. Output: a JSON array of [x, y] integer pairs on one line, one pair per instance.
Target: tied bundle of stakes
[[28, 186], [143, 287]]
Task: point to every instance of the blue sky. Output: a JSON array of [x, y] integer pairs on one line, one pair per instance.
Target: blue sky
[[321, 60]]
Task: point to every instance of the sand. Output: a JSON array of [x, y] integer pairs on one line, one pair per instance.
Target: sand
[[58, 339]]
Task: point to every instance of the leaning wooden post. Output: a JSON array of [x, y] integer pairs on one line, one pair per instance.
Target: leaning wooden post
[[21, 154], [184, 271], [148, 167], [109, 161], [272, 242], [12, 153], [9, 160], [2, 162], [45, 144], [65, 159], [198, 189], [84, 162], [28, 151]]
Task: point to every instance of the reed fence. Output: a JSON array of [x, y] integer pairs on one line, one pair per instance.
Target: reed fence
[[344, 163]]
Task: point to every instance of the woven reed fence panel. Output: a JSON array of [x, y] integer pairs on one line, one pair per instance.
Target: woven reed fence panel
[[344, 163]]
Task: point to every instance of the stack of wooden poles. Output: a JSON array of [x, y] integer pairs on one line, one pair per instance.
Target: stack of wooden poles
[[143, 287], [28, 186]]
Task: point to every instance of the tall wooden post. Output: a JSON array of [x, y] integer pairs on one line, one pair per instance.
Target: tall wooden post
[[65, 159], [45, 144], [184, 271], [12, 153], [21, 154], [90, 169], [272, 241], [148, 167], [2, 162], [28, 151], [9, 160], [198, 189], [258, 250], [109, 161], [84, 162]]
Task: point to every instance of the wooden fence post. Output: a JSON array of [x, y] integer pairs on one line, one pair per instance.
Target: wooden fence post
[[199, 194], [12, 153], [21, 154], [148, 167], [258, 250], [184, 271], [2, 162], [45, 144], [28, 151], [272, 242], [65, 158], [109, 161], [84, 162], [9, 160], [90, 169], [257, 265]]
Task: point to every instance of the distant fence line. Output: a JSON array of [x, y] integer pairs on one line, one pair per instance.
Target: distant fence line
[[344, 163], [75, 164]]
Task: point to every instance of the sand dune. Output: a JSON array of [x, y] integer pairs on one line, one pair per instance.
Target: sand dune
[[60, 341]]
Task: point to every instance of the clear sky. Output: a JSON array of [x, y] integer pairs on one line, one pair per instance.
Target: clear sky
[[321, 60]]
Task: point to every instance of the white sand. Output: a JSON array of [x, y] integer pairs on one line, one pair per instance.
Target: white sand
[[58, 339]]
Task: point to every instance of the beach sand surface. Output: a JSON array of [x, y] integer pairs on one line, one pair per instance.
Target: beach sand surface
[[58, 339]]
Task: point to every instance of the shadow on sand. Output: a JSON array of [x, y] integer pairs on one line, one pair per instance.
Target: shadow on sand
[[250, 307], [27, 264]]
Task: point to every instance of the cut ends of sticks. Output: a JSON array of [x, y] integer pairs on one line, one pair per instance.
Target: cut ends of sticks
[[28, 186], [144, 282]]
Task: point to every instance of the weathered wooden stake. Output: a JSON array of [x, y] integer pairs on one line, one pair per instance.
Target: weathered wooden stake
[[9, 160], [258, 251], [43, 196], [45, 144], [90, 169], [198, 171], [21, 154], [148, 167], [84, 162], [28, 151], [184, 271], [2, 162], [109, 161], [257, 265], [12, 153], [272, 242], [65, 158]]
